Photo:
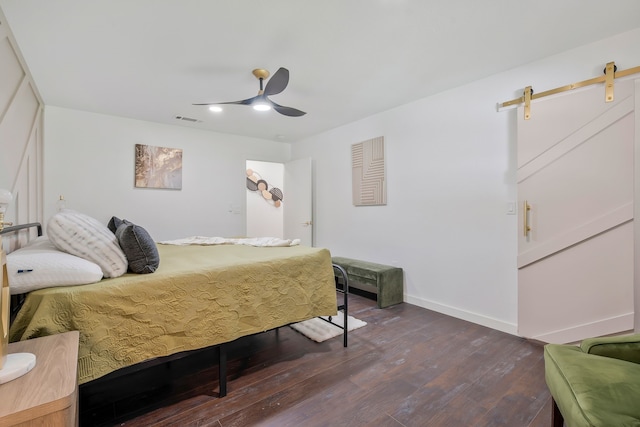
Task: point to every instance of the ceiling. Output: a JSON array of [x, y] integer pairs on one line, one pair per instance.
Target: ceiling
[[348, 59]]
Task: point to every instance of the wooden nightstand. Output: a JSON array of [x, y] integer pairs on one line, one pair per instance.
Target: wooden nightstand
[[48, 394]]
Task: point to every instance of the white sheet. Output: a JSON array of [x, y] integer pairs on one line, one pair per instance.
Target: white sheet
[[249, 241]]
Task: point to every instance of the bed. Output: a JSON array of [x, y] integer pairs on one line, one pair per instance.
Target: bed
[[199, 296]]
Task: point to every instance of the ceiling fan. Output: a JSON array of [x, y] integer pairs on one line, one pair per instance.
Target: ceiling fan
[[275, 85]]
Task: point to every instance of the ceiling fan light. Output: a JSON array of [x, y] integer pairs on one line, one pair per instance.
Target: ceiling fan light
[[261, 106], [215, 108]]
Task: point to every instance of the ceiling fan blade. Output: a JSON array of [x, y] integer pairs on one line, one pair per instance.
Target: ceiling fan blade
[[287, 111], [247, 101], [278, 82]]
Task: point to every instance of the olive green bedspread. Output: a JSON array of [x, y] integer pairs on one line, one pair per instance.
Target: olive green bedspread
[[199, 296]]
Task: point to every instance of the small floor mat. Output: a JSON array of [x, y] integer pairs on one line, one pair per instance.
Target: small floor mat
[[318, 330]]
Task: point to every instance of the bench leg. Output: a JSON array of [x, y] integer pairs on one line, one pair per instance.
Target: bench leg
[[556, 416]]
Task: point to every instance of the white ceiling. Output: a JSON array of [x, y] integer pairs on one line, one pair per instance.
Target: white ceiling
[[348, 59]]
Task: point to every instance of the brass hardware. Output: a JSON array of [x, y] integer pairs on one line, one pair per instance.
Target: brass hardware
[[527, 102], [595, 80], [609, 74], [2, 223], [527, 208], [4, 304], [260, 73], [307, 223]]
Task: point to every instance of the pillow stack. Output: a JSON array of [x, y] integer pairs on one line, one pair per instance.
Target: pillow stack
[[138, 246], [79, 250]]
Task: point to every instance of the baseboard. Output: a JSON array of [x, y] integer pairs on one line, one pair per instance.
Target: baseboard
[[489, 322], [610, 326]]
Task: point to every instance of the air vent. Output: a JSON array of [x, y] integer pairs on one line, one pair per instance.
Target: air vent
[[186, 119]]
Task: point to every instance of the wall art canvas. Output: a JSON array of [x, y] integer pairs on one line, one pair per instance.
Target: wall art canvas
[[368, 173], [158, 167]]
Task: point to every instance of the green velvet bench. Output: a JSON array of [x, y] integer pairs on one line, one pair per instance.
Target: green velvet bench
[[387, 282], [596, 384]]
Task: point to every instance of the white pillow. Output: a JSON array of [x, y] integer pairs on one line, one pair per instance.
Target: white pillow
[[83, 236], [41, 265]]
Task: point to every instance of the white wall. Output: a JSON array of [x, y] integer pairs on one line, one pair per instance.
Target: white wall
[[89, 158], [450, 169], [451, 161]]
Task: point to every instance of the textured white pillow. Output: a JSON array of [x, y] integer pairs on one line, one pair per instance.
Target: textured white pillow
[[41, 265], [84, 236]]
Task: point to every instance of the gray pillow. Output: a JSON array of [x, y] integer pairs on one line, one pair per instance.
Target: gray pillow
[[114, 223], [139, 247]]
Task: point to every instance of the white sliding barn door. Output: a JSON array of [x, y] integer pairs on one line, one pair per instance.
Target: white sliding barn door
[[576, 172]]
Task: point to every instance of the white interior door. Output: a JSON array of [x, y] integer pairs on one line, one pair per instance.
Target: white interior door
[[298, 210], [576, 173]]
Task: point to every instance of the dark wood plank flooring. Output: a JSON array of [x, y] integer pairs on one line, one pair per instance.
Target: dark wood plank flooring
[[408, 367]]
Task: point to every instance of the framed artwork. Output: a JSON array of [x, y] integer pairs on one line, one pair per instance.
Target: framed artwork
[[158, 167], [368, 173]]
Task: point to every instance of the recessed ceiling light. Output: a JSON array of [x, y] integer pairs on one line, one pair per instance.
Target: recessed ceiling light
[[261, 106], [215, 108]]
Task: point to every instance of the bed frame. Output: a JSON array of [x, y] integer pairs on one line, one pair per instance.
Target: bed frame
[[221, 349]]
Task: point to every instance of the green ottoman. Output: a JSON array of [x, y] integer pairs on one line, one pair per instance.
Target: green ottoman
[[386, 281], [596, 384]]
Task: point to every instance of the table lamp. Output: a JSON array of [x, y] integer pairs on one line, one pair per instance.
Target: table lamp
[[13, 365]]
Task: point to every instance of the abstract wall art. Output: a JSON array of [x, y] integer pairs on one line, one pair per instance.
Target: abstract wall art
[[158, 167], [257, 184], [368, 173]]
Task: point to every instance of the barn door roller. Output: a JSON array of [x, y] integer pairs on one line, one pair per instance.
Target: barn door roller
[[610, 73]]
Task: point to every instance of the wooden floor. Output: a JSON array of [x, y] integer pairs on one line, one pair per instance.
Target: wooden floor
[[408, 367]]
